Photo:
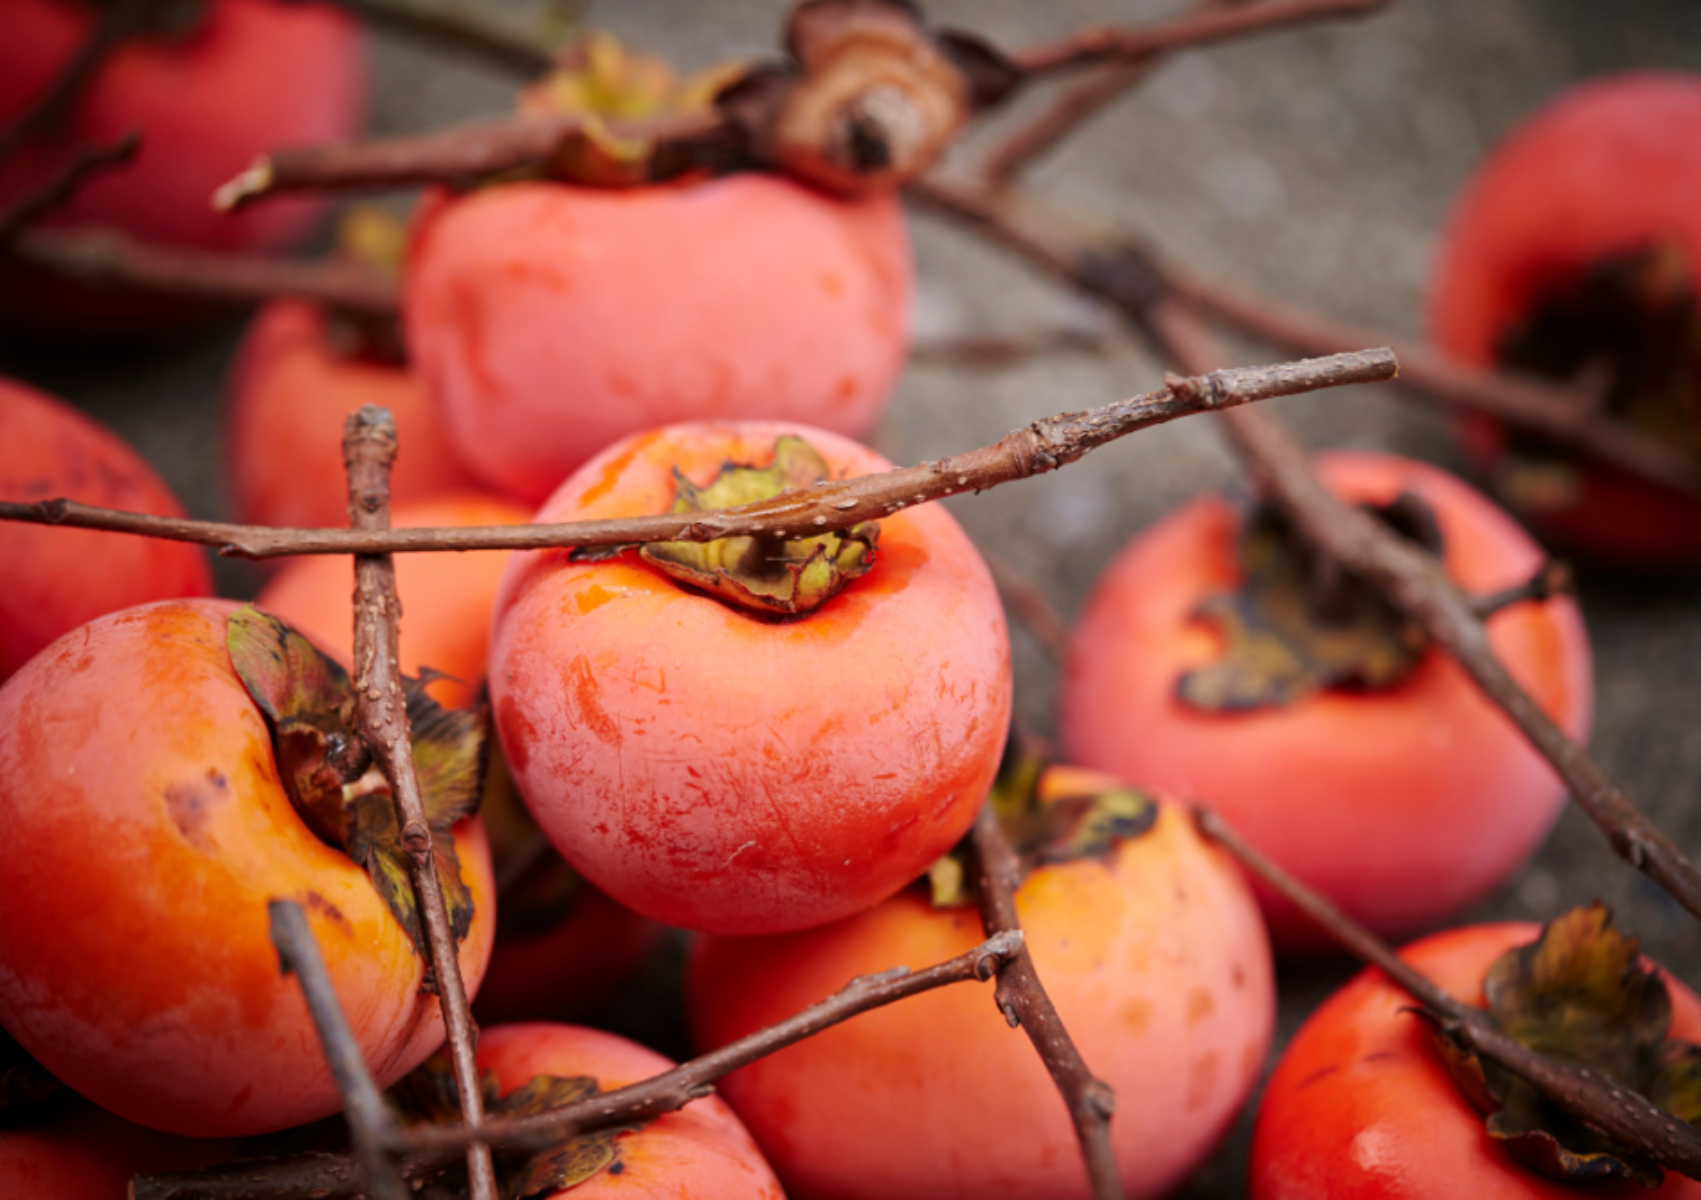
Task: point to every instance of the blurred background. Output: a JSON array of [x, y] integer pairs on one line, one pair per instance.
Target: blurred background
[[1316, 164]]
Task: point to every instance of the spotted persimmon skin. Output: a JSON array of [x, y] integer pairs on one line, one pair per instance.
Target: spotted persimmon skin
[[718, 771], [700, 1151], [1611, 167], [1156, 959], [147, 831], [550, 321], [1401, 805], [56, 579], [1360, 1106], [288, 397]]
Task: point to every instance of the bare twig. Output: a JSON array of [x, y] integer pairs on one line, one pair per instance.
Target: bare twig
[[461, 27], [63, 184], [369, 1119], [116, 22], [1022, 998], [1043, 446], [381, 719], [108, 258], [461, 153], [330, 1177], [1559, 415], [1107, 43], [1410, 578], [994, 351], [1024, 598], [1621, 1114], [1553, 579]]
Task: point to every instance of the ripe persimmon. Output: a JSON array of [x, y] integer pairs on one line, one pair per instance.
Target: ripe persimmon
[[1402, 801], [549, 320], [1152, 951], [289, 393], [446, 598], [721, 770], [56, 579], [147, 829]]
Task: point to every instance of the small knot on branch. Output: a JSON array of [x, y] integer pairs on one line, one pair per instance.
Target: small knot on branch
[[52, 511], [1203, 391], [1100, 1099]]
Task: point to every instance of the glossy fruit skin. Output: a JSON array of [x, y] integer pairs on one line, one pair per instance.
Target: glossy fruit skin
[[1401, 805], [1156, 959], [1609, 167], [146, 832], [86, 1153], [56, 579], [1360, 1106], [717, 771], [446, 598], [289, 394], [253, 76], [550, 321], [700, 1151]]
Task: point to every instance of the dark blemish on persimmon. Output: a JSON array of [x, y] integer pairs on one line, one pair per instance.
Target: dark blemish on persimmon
[[1318, 1074], [190, 804], [584, 695], [314, 902], [616, 1167], [1379, 1056]]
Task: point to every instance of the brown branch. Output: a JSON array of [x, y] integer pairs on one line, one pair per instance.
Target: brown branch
[[459, 155], [1043, 446], [1030, 605], [1618, 1112], [1106, 43], [115, 23], [458, 27], [330, 1177], [1410, 578], [108, 258], [1022, 998], [1552, 579], [58, 189], [381, 719], [995, 351], [1559, 415], [370, 1120]]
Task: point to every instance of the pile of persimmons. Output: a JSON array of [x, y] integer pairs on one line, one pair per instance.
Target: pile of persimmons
[[773, 743]]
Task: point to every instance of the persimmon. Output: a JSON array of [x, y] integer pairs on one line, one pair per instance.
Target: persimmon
[[1152, 951], [700, 1151], [1574, 252], [1361, 1107], [551, 320], [242, 78], [446, 598], [148, 827], [289, 392], [1402, 801], [56, 579], [718, 769]]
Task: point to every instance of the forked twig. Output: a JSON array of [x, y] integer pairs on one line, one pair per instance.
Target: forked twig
[[58, 189]]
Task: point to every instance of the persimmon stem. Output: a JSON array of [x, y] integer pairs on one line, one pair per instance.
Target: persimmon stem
[[1044, 446], [1023, 1000], [1620, 1113], [427, 1149], [58, 189], [381, 718], [1552, 579], [370, 1121]]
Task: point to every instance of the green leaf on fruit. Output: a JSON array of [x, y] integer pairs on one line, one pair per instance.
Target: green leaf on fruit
[[342, 796], [780, 577], [1580, 994], [1296, 625], [427, 1095]]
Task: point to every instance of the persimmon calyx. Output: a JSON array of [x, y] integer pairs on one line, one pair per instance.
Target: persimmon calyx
[[1291, 629], [1578, 993], [770, 575], [427, 1096], [345, 799], [1628, 335], [1047, 826]]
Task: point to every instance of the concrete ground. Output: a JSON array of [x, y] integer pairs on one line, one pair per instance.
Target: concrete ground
[[1315, 164]]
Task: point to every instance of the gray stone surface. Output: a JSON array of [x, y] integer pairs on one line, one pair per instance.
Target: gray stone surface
[[1317, 164]]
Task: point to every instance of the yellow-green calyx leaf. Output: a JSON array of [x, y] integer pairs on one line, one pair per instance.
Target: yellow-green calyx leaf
[[1292, 628], [427, 1096], [346, 801], [603, 82], [769, 575], [1579, 993]]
